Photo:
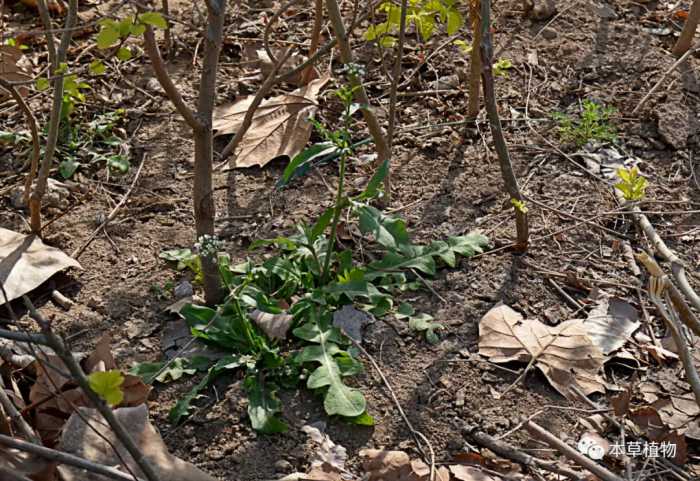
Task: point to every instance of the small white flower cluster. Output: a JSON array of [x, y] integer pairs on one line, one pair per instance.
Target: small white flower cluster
[[208, 246], [355, 69]]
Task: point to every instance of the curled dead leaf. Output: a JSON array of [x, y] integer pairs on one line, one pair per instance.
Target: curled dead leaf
[[10, 70], [565, 353], [275, 326], [280, 126], [611, 323], [470, 473], [80, 440], [26, 263]]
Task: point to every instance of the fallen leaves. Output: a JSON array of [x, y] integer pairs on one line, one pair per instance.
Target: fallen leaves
[[95, 443], [10, 70], [328, 463], [381, 465], [280, 125], [611, 323], [565, 353], [52, 410], [26, 263], [275, 326]]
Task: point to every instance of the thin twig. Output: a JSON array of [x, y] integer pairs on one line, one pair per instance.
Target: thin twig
[[417, 435], [307, 74], [64, 458], [268, 28], [361, 96], [569, 452], [393, 97], [77, 252], [156, 59], [15, 416], [509, 178], [509, 452], [267, 85], [663, 78], [56, 343], [57, 56], [660, 285]]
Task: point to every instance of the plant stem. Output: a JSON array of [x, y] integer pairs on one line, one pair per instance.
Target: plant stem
[[56, 57], [315, 39], [511, 183], [201, 124], [168, 32], [393, 95], [338, 208], [360, 93], [475, 61]]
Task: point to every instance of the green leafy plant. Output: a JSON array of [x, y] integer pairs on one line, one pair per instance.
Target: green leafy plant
[[592, 124], [501, 67], [632, 184], [304, 278], [424, 15]]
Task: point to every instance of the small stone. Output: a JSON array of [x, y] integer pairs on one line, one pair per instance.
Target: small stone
[[215, 455], [183, 289], [283, 466], [549, 33], [488, 377]]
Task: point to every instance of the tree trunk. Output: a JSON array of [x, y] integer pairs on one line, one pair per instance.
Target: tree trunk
[[691, 25], [203, 195], [511, 182]]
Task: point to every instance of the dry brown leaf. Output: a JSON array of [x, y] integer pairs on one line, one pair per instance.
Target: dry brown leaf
[[274, 325], [280, 126], [564, 353], [26, 263], [53, 411], [381, 465], [470, 473], [328, 453], [54, 7], [28, 465], [650, 422], [295, 60], [611, 323], [621, 402], [80, 440], [10, 70]]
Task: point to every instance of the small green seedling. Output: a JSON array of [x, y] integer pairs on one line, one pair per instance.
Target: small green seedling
[[632, 184], [500, 68], [593, 124], [520, 205], [107, 385], [422, 14]]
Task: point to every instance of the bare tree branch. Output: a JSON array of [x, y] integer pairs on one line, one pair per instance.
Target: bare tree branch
[[57, 57], [64, 458], [151, 48], [56, 343]]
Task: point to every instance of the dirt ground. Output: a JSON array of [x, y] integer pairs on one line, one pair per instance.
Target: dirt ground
[[446, 182]]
